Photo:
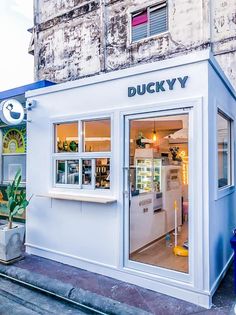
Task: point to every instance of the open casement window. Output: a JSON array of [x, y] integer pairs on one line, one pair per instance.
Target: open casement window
[[224, 147], [150, 21], [82, 158]]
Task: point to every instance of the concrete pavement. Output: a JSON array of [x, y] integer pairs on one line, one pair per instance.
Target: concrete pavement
[[109, 295], [16, 299]]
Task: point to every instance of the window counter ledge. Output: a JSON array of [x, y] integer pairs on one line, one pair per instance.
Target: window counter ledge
[[85, 198]]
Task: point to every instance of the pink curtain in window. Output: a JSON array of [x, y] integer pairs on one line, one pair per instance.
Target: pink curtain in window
[[139, 19]]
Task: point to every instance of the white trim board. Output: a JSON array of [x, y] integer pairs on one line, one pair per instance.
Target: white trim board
[[190, 58], [128, 72]]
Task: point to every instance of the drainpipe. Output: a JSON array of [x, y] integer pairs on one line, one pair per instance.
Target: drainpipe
[[211, 20], [103, 24], [35, 27], [36, 11]]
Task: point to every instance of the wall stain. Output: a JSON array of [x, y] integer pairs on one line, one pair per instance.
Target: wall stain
[[70, 44]]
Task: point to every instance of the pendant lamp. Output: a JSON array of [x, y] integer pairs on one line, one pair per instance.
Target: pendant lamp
[[154, 134]]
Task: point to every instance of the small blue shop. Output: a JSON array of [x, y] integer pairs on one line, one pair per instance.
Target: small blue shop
[[128, 167], [13, 144]]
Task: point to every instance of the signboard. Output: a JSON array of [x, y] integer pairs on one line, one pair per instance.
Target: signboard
[[11, 112], [158, 86], [14, 141]]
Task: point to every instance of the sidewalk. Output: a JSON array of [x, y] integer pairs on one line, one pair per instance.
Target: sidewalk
[[109, 295]]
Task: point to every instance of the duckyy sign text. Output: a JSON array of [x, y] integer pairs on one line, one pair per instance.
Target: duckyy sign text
[[156, 87]]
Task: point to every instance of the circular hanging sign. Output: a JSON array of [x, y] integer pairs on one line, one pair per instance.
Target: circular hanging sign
[[11, 112]]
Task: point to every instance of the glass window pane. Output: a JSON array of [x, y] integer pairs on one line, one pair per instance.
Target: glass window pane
[[60, 176], [66, 137], [97, 135], [102, 175], [73, 172], [158, 188], [139, 25], [87, 172], [223, 139], [11, 164]]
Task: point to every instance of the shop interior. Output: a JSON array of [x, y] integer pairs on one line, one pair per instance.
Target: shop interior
[[159, 203], [13, 158]]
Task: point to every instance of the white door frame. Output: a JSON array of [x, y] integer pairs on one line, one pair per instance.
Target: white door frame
[[194, 110]]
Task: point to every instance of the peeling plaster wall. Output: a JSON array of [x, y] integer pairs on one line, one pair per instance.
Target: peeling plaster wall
[[224, 36], [77, 38]]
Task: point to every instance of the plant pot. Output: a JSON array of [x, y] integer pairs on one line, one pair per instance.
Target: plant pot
[[11, 242], [175, 162]]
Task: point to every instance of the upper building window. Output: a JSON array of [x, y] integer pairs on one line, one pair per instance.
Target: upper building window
[[150, 21]]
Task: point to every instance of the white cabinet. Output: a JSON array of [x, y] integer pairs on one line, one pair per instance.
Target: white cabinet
[[152, 214], [145, 224]]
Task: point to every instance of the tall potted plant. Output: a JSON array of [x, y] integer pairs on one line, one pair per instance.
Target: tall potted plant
[[12, 234]]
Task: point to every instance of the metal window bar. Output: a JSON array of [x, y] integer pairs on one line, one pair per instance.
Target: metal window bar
[[157, 22]]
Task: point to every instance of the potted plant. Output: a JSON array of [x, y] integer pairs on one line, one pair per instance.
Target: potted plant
[[12, 234]]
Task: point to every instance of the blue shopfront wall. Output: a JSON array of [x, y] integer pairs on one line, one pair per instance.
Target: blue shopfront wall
[[17, 134], [222, 202]]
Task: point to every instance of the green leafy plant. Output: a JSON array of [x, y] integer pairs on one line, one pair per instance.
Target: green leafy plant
[[17, 201]]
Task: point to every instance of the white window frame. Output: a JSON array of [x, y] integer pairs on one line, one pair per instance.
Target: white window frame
[[80, 154], [142, 267], [135, 10], [227, 189]]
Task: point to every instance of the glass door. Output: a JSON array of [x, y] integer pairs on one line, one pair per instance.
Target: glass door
[[157, 193]]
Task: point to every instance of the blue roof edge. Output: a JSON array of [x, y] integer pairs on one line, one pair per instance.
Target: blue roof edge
[[24, 88]]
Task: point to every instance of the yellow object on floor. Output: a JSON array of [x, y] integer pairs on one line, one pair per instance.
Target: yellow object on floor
[[180, 251]]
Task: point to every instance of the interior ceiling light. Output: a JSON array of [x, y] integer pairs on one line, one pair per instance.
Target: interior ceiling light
[[154, 134]]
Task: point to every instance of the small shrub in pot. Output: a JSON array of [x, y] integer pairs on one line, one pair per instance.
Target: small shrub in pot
[[12, 235]]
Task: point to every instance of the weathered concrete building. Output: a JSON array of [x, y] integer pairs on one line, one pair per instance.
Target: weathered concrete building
[[77, 38]]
